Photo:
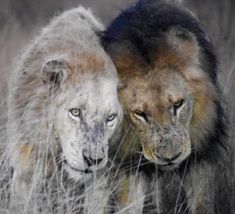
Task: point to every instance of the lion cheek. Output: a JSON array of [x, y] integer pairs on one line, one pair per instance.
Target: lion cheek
[[148, 151]]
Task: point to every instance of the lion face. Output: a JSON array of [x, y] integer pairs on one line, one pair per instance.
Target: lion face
[[161, 112], [86, 121], [171, 102], [86, 113]]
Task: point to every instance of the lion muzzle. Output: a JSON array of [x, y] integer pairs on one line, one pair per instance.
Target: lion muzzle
[[95, 155]]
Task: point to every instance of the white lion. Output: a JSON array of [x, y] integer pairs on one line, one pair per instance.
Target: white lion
[[63, 104]]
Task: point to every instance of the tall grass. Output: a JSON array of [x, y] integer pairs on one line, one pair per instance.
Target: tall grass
[[18, 28]]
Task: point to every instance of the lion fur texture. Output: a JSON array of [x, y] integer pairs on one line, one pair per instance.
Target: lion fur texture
[[140, 42], [69, 50]]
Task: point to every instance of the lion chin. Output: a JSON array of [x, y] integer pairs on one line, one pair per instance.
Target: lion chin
[[168, 167], [77, 174]]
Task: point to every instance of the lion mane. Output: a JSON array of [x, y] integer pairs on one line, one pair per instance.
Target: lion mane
[[140, 42]]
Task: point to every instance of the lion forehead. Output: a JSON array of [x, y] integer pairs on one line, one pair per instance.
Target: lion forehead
[[103, 95], [160, 88], [96, 94]]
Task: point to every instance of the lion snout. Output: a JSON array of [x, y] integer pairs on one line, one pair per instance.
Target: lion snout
[[174, 151], [95, 155]]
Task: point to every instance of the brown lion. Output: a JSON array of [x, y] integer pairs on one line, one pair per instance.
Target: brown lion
[[172, 101]]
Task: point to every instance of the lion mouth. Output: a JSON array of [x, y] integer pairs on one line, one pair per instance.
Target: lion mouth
[[168, 166], [85, 171]]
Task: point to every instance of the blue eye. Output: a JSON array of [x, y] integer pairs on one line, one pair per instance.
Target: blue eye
[[75, 112], [111, 117]]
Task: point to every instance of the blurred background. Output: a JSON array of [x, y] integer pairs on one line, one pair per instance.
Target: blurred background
[[21, 21]]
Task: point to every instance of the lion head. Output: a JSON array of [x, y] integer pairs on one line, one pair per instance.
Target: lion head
[[168, 97], [86, 116], [63, 101], [86, 111]]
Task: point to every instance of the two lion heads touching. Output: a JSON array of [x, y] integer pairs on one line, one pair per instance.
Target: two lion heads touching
[[136, 106]]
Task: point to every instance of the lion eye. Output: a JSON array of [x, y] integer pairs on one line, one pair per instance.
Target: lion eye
[[177, 105], [141, 115], [75, 112], [111, 117]]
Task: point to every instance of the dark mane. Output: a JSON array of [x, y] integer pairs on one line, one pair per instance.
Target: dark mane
[[137, 31], [139, 28]]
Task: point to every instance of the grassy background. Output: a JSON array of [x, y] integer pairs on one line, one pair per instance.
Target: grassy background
[[20, 21]]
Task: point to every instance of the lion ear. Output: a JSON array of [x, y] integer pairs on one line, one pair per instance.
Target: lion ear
[[183, 43], [54, 72]]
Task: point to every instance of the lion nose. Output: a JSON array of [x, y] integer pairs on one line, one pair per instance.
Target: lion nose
[[170, 159], [90, 161]]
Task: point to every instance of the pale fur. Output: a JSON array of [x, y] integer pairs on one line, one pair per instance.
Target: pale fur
[[40, 130]]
